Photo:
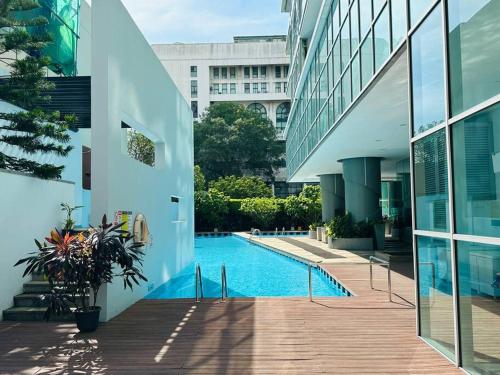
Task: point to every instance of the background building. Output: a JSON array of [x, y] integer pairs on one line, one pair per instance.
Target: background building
[[405, 93], [251, 71]]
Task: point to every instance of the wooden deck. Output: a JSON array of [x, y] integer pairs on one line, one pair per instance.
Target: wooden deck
[[364, 334]]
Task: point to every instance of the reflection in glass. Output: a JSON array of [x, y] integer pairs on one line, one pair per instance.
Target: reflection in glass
[[336, 61], [354, 26], [476, 166], [355, 76], [474, 44], [346, 89], [417, 10], [365, 16], [377, 5], [398, 11], [479, 288], [382, 39], [431, 182], [435, 293], [366, 61], [428, 73], [345, 45]]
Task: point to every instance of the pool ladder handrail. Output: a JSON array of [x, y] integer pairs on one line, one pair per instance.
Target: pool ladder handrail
[[223, 282], [199, 284], [384, 263]]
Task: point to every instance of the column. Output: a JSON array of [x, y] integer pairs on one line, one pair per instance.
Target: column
[[362, 188], [332, 195]]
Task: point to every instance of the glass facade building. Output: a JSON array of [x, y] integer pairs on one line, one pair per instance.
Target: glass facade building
[[452, 49]]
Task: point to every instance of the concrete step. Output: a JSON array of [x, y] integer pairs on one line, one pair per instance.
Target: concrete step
[[36, 300], [32, 314], [38, 277], [36, 287]]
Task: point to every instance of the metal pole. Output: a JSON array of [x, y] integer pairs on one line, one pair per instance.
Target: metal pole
[[310, 282], [371, 273], [389, 280], [197, 273]]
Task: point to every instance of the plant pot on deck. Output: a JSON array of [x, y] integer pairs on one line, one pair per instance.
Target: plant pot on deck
[[353, 244], [312, 234], [330, 242], [318, 233], [324, 236], [87, 320]]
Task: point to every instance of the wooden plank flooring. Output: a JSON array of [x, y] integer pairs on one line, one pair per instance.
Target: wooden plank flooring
[[364, 334]]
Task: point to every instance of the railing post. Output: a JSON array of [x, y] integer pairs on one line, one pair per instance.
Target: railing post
[[309, 268], [199, 288], [223, 282], [389, 282]]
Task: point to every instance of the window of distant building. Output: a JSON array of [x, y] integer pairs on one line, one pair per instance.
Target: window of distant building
[[194, 71], [232, 72], [194, 88], [224, 72], [247, 88], [255, 72], [277, 71], [258, 108], [194, 108], [263, 71], [232, 88], [277, 87], [216, 73], [285, 86], [263, 87], [255, 88], [285, 71], [224, 88], [216, 88], [282, 113], [246, 72]]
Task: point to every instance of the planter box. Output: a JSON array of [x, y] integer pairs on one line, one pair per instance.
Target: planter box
[[312, 234], [324, 237], [318, 234], [353, 244]]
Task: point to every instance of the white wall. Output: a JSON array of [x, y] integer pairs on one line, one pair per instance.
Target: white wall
[[29, 209], [130, 84]]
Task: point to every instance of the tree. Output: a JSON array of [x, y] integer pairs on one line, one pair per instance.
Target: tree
[[242, 187], [199, 179], [305, 209], [262, 211], [231, 140], [31, 130], [140, 147], [211, 207]]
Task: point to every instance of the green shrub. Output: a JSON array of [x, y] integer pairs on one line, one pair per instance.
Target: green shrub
[[200, 183], [242, 187], [262, 211], [211, 208], [343, 227]]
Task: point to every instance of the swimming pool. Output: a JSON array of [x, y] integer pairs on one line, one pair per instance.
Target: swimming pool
[[252, 271]]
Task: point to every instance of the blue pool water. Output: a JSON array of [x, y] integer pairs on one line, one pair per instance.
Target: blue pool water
[[251, 272]]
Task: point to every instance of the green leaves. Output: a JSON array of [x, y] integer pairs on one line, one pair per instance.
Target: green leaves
[[242, 187]]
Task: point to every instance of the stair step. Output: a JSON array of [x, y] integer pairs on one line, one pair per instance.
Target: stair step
[[38, 277], [36, 300], [32, 314]]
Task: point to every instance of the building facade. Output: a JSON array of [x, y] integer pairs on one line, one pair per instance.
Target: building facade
[[406, 93]]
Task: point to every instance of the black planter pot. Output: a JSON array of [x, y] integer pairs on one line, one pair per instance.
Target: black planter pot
[[87, 320]]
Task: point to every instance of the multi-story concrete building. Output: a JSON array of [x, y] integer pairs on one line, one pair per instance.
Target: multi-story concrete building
[[406, 93], [251, 71]]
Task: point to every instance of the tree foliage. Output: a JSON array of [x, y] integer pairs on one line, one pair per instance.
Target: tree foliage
[[140, 147], [306, 207], [233, 141], [261, 211], [242, 187], [211, 208], [31, 130], [200, 183]]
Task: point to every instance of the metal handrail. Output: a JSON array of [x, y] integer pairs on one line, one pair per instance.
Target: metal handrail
[[309, 269], [199, 284], [386, 263], [255, 232], [223, 282], [433, 267]]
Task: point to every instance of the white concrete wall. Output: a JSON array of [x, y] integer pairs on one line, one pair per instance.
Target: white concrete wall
[[29, 209], [84, 56], [130, 84]]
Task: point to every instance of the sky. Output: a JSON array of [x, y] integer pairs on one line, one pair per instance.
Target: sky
[[195, 21]]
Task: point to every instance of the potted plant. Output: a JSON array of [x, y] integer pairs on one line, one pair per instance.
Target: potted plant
[[347, 235], [318, 232], [74, 264], [388, 224], [312, 231], [69, 223]]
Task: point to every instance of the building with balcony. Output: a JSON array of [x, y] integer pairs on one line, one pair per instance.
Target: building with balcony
[[403, 96]]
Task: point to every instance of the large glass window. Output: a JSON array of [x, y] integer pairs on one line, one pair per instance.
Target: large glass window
[[336, 61], [476, 167], [417, 10], [346, 90], [365, 15], [282, 113], [382, 39], [479, 288], [323, 52], [355, 76], [354, 26], [398, 11], [474, 52], [377, 5], [335, 20], [431, 182], [428, 73], [435, 293], [346, 45], [323, 88], [366, 61]]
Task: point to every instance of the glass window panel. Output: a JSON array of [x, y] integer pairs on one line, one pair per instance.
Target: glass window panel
[[336, 61], [431, 182], [331, 120], [338, 102], [418, 9], [474, 57], [346, 89], [382, 39], [329, 33], [345, 45], [344, 8], [366, 61], [435, 294], [476, 167], [323, 124], [323, 91], [428, 74], [355, 76], [329, 64], [398, 10], [354, 26], [479, 288], [377, 5], [323, 51], [365, 14], [335, 20]]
